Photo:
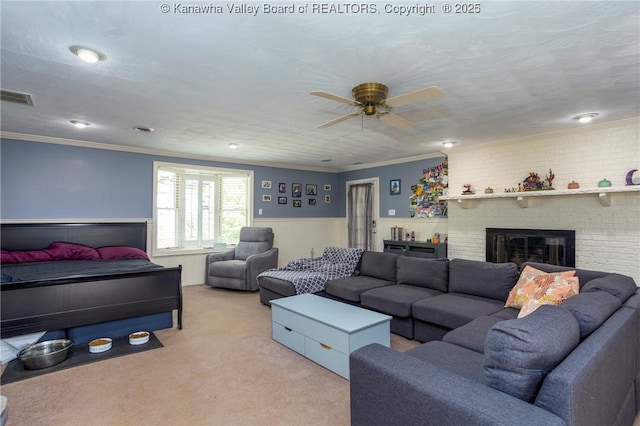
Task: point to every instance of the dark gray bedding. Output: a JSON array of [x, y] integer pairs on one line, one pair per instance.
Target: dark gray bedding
[[37, 271]]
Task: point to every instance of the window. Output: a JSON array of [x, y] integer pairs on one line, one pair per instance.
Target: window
[[197, 207]]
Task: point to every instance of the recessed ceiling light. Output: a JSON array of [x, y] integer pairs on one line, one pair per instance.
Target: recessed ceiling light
[[449, 144], [88, 55], [80, 124], [233, 145], [586, 118], [326, 160], [144, 129]]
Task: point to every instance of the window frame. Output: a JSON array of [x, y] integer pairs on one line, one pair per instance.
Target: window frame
[[188, 170]]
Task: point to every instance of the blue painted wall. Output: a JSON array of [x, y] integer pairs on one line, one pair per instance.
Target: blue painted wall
[[409, 174], [41, 180]]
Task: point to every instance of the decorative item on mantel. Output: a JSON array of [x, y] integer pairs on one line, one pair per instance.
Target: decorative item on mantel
[[630, 179], [534, 183], [573, 185], [604, 183], [467, 189], [488, 190]]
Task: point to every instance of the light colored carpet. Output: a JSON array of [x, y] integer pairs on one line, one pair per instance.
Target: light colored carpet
[[223, 368]]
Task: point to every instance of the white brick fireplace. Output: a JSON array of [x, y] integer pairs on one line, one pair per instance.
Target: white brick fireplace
[[607, 237]]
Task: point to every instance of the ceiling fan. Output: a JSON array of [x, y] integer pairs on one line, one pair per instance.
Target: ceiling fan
[[372, 100]]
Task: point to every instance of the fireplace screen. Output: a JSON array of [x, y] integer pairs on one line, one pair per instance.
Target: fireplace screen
[[555, 247]]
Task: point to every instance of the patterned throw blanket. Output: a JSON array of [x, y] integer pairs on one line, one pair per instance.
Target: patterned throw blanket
[[309, 275]]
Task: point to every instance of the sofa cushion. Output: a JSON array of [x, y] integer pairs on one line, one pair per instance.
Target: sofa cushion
[[520, 353], [395, 300], [591, 309], [453, 310], [549, 289], [507, 313], [447, 356], [492, 280], [472, 335], [350, 288], [429, 273], [526, 285], [378, 265], [617, 285]]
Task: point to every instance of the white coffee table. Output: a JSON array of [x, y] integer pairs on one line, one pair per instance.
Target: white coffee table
[[326, 331]]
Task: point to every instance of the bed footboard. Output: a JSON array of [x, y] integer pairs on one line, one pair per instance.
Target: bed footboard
[[29, 307]]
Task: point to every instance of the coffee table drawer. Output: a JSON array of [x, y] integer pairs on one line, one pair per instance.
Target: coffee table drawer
[[331, 336], [327, 357], [287, 337]]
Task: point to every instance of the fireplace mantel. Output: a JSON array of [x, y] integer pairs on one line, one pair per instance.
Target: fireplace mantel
[[604, 195]]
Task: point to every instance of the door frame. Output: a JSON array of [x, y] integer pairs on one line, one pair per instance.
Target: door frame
[[375, 214]]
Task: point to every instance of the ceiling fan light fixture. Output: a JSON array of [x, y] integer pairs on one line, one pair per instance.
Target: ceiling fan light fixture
[[586, 118], [90, 56], [80, 124], [449, 144]]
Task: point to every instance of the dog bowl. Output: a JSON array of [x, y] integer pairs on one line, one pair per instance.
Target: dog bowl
[[102, 344], [139, 338], [45, 354]]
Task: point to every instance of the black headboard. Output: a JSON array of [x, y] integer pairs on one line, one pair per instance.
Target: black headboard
[[37, 236]]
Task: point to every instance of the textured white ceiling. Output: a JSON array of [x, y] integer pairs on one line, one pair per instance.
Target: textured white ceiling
[[203, 80]]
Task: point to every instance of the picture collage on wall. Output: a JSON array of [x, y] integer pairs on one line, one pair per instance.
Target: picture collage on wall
[[425, 195], [310, 190]]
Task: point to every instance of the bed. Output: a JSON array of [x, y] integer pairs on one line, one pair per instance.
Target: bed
[[41, 297]]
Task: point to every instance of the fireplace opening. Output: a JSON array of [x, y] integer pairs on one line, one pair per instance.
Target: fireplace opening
[[555, 247]]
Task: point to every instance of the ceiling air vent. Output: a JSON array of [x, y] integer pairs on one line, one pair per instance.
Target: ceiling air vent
[[17, 97]]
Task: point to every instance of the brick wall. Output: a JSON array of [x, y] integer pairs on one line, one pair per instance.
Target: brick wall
[[607, 238]]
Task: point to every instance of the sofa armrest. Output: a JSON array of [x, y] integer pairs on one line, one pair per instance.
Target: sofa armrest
[[223, 255], [258, 263], [389, 387]]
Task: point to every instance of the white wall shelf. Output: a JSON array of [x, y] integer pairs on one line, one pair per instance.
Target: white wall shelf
[[522, 198]]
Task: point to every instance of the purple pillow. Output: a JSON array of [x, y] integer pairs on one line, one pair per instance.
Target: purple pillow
[[121, 252], [69, 251], [19, 256]]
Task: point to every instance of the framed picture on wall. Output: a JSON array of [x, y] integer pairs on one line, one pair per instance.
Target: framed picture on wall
[[282, 200], [327, 187], [394, 187], [311, 189], [282, 187], [266, 184], [312, 201], [296, 190], [327, 199], [297, 203], [266, 198]]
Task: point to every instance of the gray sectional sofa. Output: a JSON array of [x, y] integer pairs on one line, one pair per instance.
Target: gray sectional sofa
[[577, 363]]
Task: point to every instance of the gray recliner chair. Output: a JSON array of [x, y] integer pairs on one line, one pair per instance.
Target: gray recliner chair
[[239, 267]]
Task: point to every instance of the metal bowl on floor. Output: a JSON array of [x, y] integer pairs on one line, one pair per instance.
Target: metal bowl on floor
[[45, 354]]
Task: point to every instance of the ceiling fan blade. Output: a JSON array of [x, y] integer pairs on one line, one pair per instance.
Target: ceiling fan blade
[[339, 119], [413, 97], [433, 112], [396, 121], [333, 97]]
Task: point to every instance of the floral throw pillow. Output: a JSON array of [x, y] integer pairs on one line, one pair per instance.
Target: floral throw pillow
[[526, 286], [549, 290]]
